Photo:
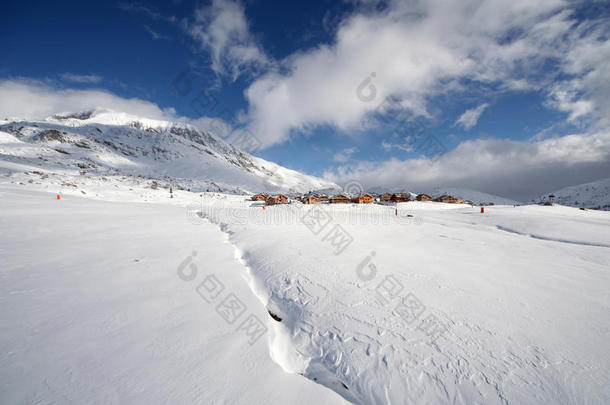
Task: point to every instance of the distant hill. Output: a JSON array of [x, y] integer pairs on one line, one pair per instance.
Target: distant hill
[[594, 195]]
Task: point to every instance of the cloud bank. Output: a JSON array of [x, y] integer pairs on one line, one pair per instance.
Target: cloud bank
[[415, 50], [519, 170], [33, 99], [36, 100]]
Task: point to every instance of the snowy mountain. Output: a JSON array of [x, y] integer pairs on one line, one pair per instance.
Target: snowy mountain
[[589, 195], [107, 143]]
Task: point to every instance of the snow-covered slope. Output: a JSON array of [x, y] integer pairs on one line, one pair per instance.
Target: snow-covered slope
[[103, 142], [589, 195]]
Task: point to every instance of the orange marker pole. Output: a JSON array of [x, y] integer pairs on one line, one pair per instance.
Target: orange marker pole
[[58, 197]]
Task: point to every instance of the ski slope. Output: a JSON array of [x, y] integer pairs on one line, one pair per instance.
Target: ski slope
[[428, 303]]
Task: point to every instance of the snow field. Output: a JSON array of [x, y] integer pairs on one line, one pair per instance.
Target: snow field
[[94, 310], [511, 290], [438, 304]]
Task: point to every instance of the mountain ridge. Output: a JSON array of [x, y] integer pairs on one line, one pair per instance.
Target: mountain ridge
[[104, 142]]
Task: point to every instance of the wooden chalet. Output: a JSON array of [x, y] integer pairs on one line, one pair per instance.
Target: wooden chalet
[[322, 198], [260, 197], [311, 199], [423, 197], [276, 199], [339, 199], [385, 197], [365, 198], [400, 197], [449, 199]]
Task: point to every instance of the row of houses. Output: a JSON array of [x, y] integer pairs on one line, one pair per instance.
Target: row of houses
[[404, 197], [364, 198], [271, 200]]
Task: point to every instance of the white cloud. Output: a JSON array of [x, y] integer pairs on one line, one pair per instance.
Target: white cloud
[[344, 155], [470, 117], [154, 34], [33, 99], [587, 65], [420, 49], [223, 30], [520, 170], [81, 78], [565, 97], [139, 8], [387, 146]]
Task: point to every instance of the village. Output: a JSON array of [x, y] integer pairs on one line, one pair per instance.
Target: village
[[364, 198]]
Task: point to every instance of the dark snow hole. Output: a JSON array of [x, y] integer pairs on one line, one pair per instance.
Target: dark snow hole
[[274, 316]]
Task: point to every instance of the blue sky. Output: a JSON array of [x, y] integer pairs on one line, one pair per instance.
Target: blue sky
[[507, 90]]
